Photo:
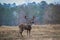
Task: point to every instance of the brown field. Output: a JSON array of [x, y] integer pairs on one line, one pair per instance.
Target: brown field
[[39, 32]]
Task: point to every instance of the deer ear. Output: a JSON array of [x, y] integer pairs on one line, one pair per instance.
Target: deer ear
[[33, 17], [25, 17]]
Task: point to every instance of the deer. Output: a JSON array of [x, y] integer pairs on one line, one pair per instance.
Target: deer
[[27, 26]]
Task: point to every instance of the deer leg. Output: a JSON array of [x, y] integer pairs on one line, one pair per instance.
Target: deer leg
[[21, 34], [21, 31], [27, 32]]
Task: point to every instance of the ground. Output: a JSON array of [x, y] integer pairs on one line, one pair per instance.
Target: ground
[[38, 32]]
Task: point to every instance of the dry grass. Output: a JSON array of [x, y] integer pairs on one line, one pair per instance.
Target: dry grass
[[39, 32]]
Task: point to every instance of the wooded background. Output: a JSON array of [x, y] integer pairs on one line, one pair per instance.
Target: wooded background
[[11, 14]]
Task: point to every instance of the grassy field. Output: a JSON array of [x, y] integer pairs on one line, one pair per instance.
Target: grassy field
[[38, 32]]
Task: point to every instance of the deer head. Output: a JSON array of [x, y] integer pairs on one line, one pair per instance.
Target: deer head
[[29, 21]]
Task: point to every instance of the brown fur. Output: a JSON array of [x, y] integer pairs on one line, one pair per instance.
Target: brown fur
[[26, 26], [23, 27]]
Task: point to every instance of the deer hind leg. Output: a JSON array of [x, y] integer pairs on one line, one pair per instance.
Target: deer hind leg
[[21, 31], [21, 34]]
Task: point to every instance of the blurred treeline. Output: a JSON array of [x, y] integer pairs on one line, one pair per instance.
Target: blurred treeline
[[11, 14]]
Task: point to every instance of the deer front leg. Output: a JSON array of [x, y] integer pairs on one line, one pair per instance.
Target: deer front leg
[[28, 33]]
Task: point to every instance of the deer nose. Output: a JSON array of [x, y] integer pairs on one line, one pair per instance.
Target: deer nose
[[32, 22]]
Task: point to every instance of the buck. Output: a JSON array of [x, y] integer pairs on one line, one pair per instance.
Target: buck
[[27, 26]]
